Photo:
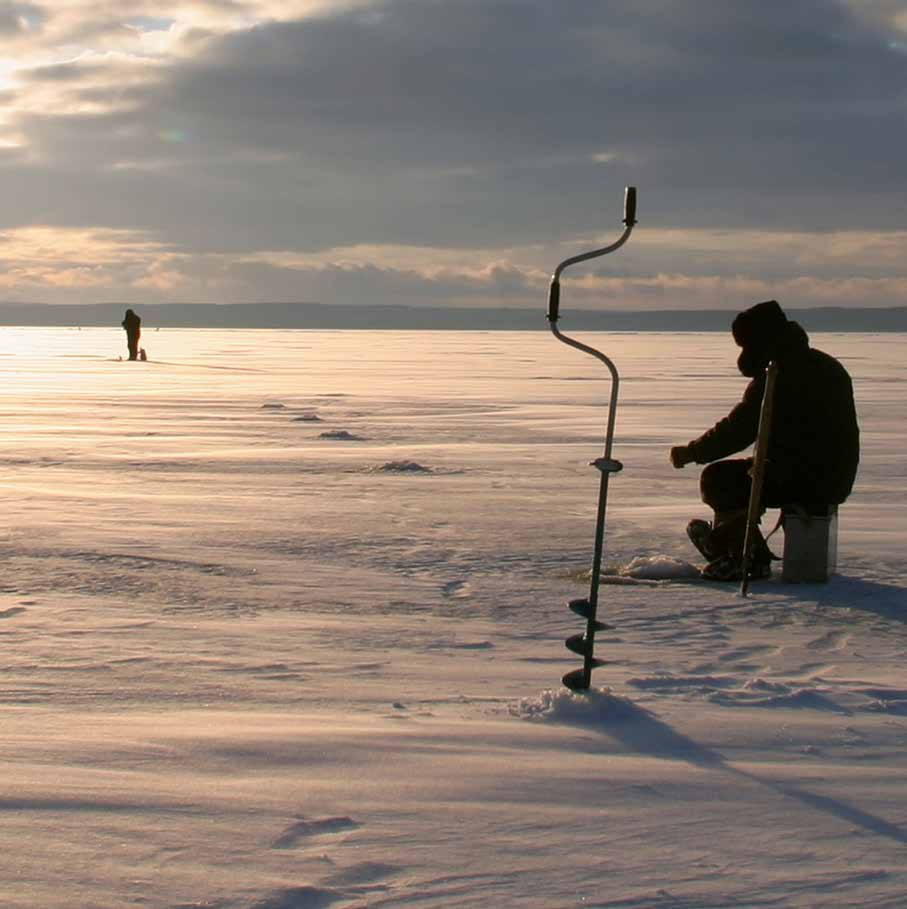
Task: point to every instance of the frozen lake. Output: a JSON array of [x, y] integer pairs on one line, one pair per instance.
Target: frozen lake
[[283, 614]]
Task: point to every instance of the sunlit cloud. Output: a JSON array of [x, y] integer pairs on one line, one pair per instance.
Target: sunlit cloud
[[51, 244], [854, 249], [53, 265]]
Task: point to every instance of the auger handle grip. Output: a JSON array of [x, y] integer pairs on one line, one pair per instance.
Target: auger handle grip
[[630, 206], [554, 299]]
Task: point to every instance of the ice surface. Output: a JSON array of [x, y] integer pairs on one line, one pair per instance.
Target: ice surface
[[245, 666]]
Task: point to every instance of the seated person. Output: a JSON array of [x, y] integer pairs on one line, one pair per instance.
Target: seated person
[[813, 449]]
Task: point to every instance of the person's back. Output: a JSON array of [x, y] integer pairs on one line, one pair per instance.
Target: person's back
[[133, 325], [814, 443]]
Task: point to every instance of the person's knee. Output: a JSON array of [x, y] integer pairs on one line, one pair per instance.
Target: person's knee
[[712, 482], [724, 485]]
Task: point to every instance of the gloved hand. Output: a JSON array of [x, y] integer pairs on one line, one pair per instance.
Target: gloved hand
[[680, 456]]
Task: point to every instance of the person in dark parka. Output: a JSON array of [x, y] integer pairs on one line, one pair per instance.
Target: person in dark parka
[[133, 325], [814, 442]]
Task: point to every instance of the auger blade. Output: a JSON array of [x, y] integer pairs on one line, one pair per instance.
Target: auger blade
[[576, 680], [583, 609], [577, 643]]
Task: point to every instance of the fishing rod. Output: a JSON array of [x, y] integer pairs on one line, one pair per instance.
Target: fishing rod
[[757, 473]]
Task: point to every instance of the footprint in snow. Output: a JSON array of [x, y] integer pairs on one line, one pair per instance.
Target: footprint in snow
[[461, 645], [886, 701], [307, 418], [305, 829], [670, 684], [800, 699], [9, 613], [403, 467], [273, 405], [455, 590], [832, 640], [341, 434], [363, 873], [298, 898]]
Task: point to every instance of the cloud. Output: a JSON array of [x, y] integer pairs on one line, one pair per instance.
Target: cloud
[[227, 130], [78, 265]]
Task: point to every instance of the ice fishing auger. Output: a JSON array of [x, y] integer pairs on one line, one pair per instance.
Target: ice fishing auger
[[583, 644]]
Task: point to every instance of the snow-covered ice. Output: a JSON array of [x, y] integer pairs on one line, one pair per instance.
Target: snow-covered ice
[[245, 665], [658, 568]]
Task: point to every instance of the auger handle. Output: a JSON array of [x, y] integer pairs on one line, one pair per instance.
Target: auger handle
[[554, 291]]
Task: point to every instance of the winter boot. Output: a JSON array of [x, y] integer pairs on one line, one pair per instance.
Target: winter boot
[[700, 534], [727, 568], [724, 549]]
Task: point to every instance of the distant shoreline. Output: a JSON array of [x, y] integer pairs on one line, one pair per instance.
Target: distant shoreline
[[424, 318]]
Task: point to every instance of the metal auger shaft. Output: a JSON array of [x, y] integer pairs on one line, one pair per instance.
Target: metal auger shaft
[[584, 644]]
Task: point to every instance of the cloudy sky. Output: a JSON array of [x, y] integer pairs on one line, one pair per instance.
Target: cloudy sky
[[451, 152]]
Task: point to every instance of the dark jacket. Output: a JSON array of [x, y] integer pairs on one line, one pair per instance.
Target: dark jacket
[[814, 445], [132, 323]]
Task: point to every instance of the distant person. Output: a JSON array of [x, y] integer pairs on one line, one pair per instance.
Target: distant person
[[814, 441], [133, 325]]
